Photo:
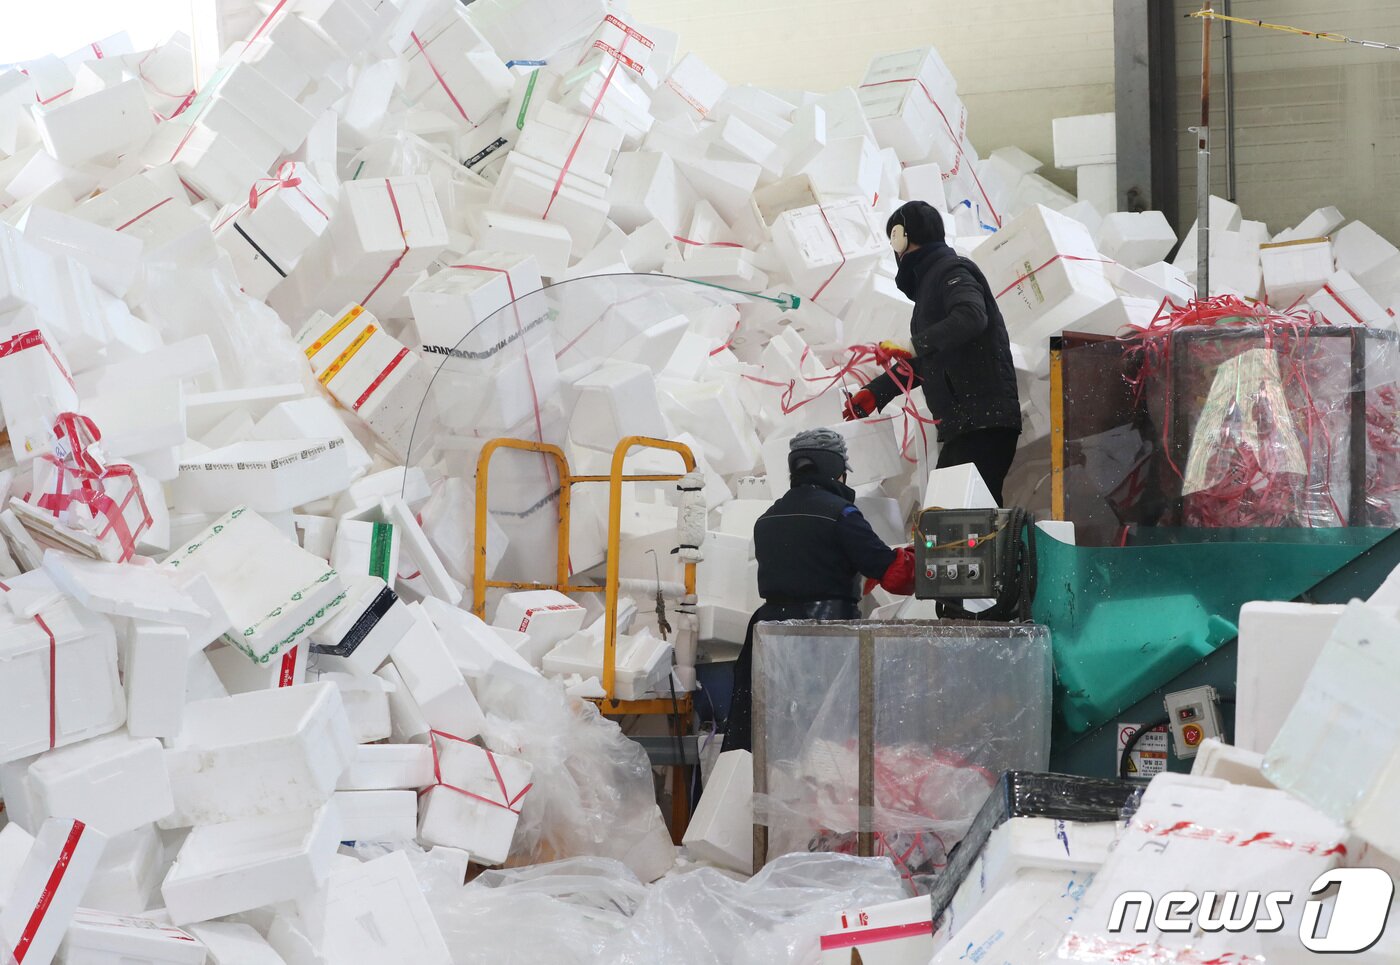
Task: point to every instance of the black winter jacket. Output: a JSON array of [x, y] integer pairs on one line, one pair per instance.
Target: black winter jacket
[[962, 355], [814, 544]]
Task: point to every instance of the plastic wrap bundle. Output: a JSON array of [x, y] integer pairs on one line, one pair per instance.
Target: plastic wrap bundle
[[1269, 419], [592, 792], [954, 706]]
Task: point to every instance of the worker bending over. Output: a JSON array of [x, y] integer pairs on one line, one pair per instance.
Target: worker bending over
[[813, 548], [962, 356]]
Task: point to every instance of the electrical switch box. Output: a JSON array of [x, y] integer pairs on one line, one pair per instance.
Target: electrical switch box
[[1194, 716], [959, 553]]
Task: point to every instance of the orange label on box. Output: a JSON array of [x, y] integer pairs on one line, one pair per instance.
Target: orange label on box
[[343, 359], [333, 331]]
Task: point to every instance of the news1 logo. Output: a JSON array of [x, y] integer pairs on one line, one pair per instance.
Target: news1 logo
[[1359, 911]]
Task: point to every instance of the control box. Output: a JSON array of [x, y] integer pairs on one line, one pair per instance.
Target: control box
[[1194, 716], [960, 552]]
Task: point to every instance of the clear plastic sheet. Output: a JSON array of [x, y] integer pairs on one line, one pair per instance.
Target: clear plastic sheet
[[593, 911], [954, 706], [564, 913], [592, 788]]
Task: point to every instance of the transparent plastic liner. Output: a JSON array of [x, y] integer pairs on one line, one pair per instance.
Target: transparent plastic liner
[[593, 911], [953, 706]]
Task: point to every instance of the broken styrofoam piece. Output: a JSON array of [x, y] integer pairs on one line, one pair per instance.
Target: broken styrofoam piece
[[258, 753]]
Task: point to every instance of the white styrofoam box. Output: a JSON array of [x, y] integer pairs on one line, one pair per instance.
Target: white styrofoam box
[[479, 650], [1295, 269], [433, 681], [905, 119], [374, 913], [35, 385], [1136, 239], [406, 723], [363, 547], [377, 815], [99, 938], [15, 844], [547, 617], [721, 830], [691, 89], [1115, 317], [872, 451], [647, 187], [86, 692], [268, 476], [614, 402], [366, 704], [17, 793], [730, 574], [1364, 253], [97, 127], [1229, 763], [1027, 844], [271, 589], [727, 185], [1060, 530], [388, 767], [957, 487], [383, 233], [1045, 272], [268, 240], [224, 869], [482, 828], [120, 590], [642, 662], [1343, 301], [1320, 224], [1279, 645], [1338, 747], [257, 753], [113, 783], [1189, 826], [895, 933], [112, 258], [449, 304], [1098, 185], [827, 248], [711, 412], [550, 244], [48, 888], [923, 182], [129, 873], [452, 70], [240, 675], [279, 117], [140, 417], [420, 551], [234, 943], [1087, 139], [311, 418], [214, 165], [734, 137], [1224, 216], [847, 167], [555, 135], [1023, 922]]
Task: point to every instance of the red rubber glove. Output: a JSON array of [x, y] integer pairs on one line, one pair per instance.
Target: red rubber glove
[[899, 578], [859, 405]]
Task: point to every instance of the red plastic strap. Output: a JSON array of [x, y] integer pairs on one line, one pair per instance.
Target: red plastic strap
[[1343, 302], [507, 802], [729, 343], [1031, 274], [954, 135], [442, 81], [53, 686], [46, 897], [872, 936], [707, 244], [379, 379], [403, 254], [96, 49], [286, 177], [50, 100], [33, 339], [841, 251], [267, 22], [90, 479], [143, 214]]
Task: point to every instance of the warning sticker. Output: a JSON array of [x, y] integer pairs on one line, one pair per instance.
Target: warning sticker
[[1149, 757]]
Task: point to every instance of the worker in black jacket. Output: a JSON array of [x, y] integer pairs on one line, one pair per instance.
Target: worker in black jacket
[[813, 548], [962, 356]]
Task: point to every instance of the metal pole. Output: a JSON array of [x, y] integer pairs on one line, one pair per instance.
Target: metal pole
[[1228, 41], [865, 836], [1203, 167]]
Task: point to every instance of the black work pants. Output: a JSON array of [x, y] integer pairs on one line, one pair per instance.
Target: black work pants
[[738, 729], [990, 450]]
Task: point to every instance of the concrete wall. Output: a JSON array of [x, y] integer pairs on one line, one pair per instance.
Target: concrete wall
[[1019, 63], [1317, 123]]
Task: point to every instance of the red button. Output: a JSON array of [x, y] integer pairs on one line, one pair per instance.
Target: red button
[[1191, 734]]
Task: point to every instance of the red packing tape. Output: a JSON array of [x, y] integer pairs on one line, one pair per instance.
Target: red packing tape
[[507, 801], [442, 81], [403, 254], [46, 897]]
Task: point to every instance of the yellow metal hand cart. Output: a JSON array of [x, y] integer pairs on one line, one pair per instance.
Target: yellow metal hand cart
[[678, 710]]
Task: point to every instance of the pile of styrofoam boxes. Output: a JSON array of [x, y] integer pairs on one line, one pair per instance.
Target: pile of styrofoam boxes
[[223, 296]]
